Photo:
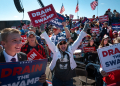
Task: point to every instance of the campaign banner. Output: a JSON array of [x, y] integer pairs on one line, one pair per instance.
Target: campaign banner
[[24, 73], [85, 20], [42, 15], [96, 30], [25, 26], [71, 16], [34, 55], [88, 49], [116, 26], [58, 21], [24, 38], [77, 24], [103, 18], [110, 57]]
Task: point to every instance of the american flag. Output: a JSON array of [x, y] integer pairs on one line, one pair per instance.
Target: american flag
[[62, 9], [94, 4], [77, 8]]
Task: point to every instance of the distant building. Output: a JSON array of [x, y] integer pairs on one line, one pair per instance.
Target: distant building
[[10, 23]]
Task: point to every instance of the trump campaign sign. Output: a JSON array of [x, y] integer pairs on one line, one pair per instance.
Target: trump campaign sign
[[42, 15], [34, 55], [88, 49], [77, 24], [58, 21], [110, 57], [103, 18], [24, 73], [24, 38], [116, 26], [96, 30]]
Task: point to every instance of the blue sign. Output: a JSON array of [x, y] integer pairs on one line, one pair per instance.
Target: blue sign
[[58, 21], [24, 73], [77, 24], [116, 26], [85, 20]]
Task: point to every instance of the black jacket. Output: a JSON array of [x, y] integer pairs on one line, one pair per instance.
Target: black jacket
[[21, 57]]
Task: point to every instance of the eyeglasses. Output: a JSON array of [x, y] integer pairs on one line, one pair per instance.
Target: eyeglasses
[[61, 43]]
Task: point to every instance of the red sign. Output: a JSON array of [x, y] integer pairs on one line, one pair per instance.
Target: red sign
[[96, 30], [25, 26], [24, 38], [34, 55], [88, 49], [103, 18], [42, 15]]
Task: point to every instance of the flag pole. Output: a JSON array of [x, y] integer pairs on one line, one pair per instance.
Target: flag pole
[[97, 10], [77, 12]]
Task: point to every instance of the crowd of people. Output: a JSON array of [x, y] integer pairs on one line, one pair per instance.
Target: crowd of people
[[60, 44]]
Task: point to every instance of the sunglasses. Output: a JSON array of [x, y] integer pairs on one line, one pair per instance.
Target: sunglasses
[[61, 43]]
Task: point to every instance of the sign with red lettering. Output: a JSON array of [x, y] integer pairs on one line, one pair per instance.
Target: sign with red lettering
[[103, 18], [14, 27], [88, 49], [96, 30], [34, 55], [24, 39], [24, 73], [42, 15], [25, 26], [110, 57]]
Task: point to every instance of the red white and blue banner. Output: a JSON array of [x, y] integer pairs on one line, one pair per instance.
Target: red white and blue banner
[[58, 21], [116, 26], [77, 24], [24, 73], [85, 20]]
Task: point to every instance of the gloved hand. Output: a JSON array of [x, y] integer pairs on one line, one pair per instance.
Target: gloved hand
[[42, 27], [86, 27]]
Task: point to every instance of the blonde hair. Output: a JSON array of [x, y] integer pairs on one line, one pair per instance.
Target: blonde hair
[[5, 32]]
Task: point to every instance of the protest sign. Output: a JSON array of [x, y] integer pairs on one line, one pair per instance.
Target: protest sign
[[85, 20], [42, 15], [58, 21], [24, 73], [116, 26], [25, 26], [71, 16], [96, 30], [110, 57], [34, 55], [77, 24], [88, 49], [103, 18], [24, 38]]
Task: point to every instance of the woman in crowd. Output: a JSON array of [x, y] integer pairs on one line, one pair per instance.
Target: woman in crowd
[[32, 43], [104, 42], [63, 63], [91, 56]]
